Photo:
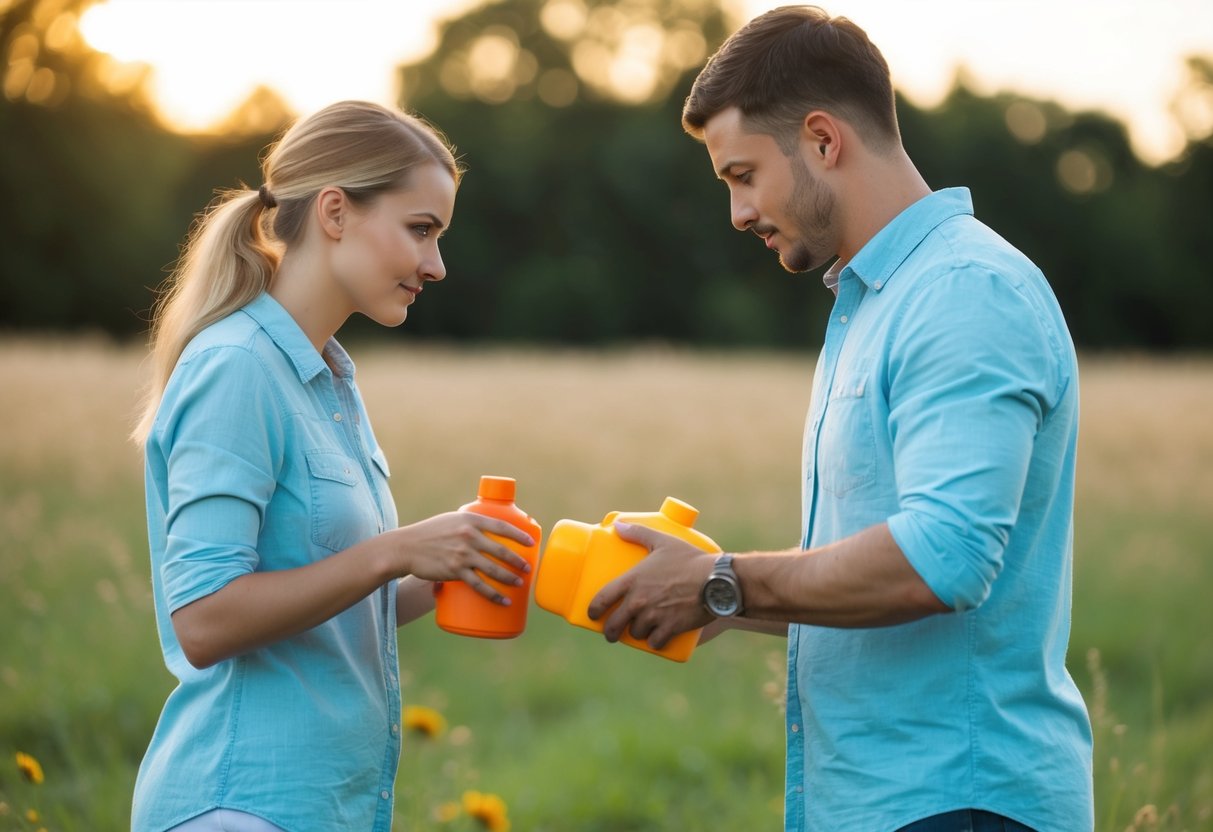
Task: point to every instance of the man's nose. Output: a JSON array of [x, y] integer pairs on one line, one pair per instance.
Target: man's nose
[[742, 213]]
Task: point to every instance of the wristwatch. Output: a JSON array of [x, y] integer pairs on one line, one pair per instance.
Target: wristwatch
[[721, 594]]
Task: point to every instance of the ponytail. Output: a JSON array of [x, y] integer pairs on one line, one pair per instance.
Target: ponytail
[[227, 262]]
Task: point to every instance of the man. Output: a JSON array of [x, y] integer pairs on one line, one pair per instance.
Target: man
[[928, 612]]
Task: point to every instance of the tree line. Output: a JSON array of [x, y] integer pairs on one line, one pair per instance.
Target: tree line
[[586, 216]]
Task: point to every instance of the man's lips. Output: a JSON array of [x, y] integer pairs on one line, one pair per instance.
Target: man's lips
[[767, 235]]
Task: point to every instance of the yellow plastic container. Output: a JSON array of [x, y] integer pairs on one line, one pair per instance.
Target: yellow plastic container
[[459, 608], [580, 559]]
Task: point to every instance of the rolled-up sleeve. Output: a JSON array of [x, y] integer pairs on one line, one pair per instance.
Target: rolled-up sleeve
[[221, 439], [972, 376]]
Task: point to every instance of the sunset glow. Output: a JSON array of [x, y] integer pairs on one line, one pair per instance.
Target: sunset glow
[[208, 55]]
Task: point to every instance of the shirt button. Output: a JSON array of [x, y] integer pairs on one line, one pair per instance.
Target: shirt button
[[795, 727], [878, 285], [395, 730], [843, 319], [336, 417], [800, 790], [384, 794]]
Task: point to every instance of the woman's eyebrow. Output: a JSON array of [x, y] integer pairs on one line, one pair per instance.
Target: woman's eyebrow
[[434, 221]]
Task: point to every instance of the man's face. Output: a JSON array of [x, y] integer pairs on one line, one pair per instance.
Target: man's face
[[775, 196]]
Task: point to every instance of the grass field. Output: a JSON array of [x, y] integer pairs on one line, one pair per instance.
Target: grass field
[[572, 733]]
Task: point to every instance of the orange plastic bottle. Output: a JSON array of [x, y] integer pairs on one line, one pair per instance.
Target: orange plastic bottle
[[581, 559], [462, 610]]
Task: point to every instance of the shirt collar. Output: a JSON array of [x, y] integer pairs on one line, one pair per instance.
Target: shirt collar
[[832, 276], [881, 256], [339, 358], [287, 335]]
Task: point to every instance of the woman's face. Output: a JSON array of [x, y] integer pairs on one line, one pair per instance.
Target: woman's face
[[389, 249]]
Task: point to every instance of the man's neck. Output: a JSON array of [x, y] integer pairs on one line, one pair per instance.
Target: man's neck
[[875, 196]]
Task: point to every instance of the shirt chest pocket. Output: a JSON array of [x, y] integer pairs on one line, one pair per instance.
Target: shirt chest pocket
[[342, 512], [384, 473], [846, 450]]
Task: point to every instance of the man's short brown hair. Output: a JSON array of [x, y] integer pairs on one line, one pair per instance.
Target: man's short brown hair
[[788, 62]]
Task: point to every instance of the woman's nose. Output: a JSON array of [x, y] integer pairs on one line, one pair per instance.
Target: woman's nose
[[433, 268]]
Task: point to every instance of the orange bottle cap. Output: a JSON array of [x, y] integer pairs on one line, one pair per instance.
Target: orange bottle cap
[[683, 514], [496, 488]]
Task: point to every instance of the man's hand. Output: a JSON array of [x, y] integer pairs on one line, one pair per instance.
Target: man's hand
[[659, 597]]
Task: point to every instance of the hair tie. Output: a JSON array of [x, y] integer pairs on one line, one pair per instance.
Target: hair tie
[[267, 198]]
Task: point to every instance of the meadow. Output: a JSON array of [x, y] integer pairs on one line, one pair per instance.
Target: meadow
[[570, 732]]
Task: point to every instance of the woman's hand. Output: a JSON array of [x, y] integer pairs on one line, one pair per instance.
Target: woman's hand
[[457, 546]]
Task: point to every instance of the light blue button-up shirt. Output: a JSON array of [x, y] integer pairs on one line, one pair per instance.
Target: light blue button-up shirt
[[260, 459], [945, 403]]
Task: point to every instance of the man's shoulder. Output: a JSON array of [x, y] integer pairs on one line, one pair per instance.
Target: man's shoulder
[[965, 242]]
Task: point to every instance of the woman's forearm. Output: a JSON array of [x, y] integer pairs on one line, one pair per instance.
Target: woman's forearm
[[261, 608], [414, 598]]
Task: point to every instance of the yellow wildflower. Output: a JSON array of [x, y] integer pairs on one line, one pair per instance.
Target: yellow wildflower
[[30, 768], [489, 809], [32, 815], [425, 721]]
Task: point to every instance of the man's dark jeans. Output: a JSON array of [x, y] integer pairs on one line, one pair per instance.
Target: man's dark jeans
[[966, 820]]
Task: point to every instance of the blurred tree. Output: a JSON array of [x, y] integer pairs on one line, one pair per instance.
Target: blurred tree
[[624, 51], [105, 191], [1066, 188], [78, 143], [1185, 223], [47, 62], [587, 217]]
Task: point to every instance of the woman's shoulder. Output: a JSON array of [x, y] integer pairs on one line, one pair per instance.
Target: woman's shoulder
[[236, 330], [228, 368], [233, 350]]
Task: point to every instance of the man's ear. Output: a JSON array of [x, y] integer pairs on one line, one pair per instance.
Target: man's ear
[[823, 135], [332, 206]]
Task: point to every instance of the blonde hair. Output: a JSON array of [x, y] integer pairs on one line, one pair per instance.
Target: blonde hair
[[234, 250]]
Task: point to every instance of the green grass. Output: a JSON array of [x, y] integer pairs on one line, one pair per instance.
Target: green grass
[[573, 733]]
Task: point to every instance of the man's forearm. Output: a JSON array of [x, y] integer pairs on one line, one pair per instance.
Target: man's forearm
[[860, 581], [741, 622]]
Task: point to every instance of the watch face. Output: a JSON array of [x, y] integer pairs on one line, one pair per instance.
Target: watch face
[[721, 596]]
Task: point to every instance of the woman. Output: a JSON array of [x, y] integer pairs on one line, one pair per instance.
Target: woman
[[278, 572]]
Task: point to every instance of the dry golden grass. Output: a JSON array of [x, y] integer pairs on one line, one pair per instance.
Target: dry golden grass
[[585, 432], [588, 433], [69, 405], [1147, 433]]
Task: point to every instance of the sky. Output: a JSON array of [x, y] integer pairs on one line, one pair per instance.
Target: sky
[[1122, 57]]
